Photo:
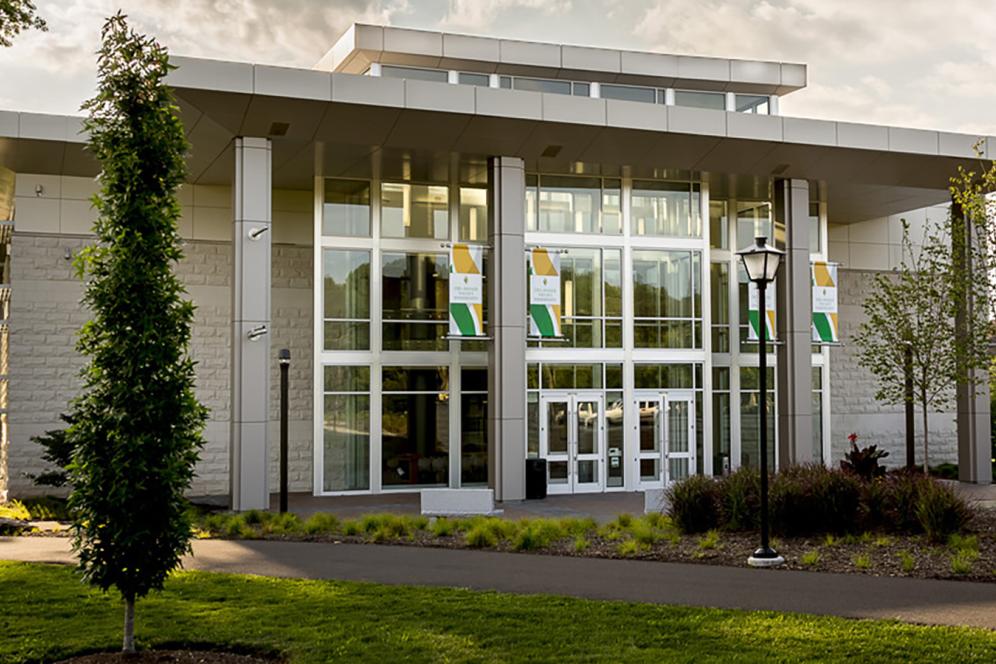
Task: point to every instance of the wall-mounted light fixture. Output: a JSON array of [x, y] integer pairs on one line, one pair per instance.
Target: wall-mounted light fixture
[[39, 190], [257, 333], [255, 233], [69, 254]]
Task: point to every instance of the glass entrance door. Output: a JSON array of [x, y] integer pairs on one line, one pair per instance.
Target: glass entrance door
[[572, 440], [666, 433]]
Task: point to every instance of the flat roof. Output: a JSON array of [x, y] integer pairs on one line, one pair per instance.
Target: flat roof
[[363, 44]]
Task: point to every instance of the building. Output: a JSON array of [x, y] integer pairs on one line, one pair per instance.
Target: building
[[320, 207]]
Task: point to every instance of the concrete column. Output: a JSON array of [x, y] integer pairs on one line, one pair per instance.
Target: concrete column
[[794, 324], [507, 313], [251, 323], [972, 392]]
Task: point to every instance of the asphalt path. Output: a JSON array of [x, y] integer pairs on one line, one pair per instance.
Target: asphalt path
[[849, 595]]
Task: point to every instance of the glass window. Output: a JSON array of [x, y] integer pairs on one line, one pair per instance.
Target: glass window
[[414, 73], [569, 204], [347, 299], [721, 434], [414, 210], [758, 104], [346, 210], [665, 208], [628, 93], [415, 425], [750, 423], [415, 301], [753, 219], [612, 207], [666, 299], [615, 433], [505, 81], [581, 89], [719, 226], [697, 99], [532, 424], [719, 284], [571, 376], [473, 215], [814, 227], [346, 427], [466, 78], [663, 376], [818, 415], [474, 425], [542, 85]]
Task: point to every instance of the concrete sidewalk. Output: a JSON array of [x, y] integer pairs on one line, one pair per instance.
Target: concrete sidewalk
[[849, 595]]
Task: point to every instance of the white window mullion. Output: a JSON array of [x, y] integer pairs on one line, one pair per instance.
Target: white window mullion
[[706, 325]]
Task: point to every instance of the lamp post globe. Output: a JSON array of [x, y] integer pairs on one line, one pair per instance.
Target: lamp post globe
[[761, 262]]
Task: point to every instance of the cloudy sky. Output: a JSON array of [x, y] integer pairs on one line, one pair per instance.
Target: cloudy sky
[[926, 64]]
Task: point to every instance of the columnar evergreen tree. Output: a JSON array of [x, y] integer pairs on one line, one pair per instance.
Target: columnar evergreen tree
[[15, 16], [137, 425]]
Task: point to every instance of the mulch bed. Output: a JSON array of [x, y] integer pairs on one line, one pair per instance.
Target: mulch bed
[[167, 657]]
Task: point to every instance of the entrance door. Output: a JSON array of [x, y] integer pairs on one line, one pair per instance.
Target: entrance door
[[666, 433], [572, 440]]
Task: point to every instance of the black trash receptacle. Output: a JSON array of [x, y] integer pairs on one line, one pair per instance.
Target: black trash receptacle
[[535, 479]]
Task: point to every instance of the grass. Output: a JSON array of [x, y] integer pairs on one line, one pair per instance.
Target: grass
[[46, 614], [907, 561], [862, 561], [709, 541], [810, 558]]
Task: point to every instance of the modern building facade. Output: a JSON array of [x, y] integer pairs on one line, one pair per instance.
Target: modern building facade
[[319, 215]]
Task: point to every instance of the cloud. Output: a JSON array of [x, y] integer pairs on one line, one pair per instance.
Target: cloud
[[479, 14]]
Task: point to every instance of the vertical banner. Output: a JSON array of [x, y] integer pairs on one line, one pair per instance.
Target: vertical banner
[[753, 317], [544, 293], [825, 303], [466, 291]]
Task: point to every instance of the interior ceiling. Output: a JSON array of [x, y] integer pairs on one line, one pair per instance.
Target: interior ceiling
[[337, 139]]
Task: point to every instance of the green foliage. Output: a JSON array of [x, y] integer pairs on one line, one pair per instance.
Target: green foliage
[[862, 561], [830, 540], [631, 547], [964, 542], [694, 504], [810, 558], [137, 425], [709, 541], [581, 543], [740, 499], [813, 499], [962, 561], [906, 561], [442, 527], [16, 16], [58, 452], [481, 537], [941, 512], [945, 471], [14, 509], [321, 523]]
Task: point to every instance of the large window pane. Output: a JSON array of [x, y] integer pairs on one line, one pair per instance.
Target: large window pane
[[615, 434], [542, 85], [474, 426], [346, 442], [719, 283], [721, 433], [415, 298], [818, 414], [414, 73], [694, 99], [750, 428], [346, 210], [414, 210], [666, 299], [612, 207], [473, 215], [665, 208], [758, 104], [415, 427], [569, 204], [628, 93], [719, 231], [467, 78], [814, 228], [347, 299], [753, 219]]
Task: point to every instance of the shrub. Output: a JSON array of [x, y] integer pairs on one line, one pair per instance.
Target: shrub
[[740, 499], [281, 524], [694, 504], [862, 561], [811, 498], [940, 511], [947, 471], [441, 527], [961, 562], [321, 523], [810, 558], [710, 540], [907, 561], [581, 544], [14, 509], [863, 462], [481, 537], [537, 534], [631, 547]]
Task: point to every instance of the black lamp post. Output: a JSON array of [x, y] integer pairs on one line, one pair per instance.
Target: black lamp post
[[761, 263], [284, 357]]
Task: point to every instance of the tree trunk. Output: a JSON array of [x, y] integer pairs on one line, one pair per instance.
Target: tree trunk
[[129, 626], [926, 437]]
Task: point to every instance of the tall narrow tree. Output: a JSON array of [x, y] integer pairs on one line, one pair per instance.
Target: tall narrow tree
[[137, 424]]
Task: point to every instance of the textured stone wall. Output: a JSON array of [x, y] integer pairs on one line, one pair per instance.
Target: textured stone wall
[[44, 366], [852, 393]]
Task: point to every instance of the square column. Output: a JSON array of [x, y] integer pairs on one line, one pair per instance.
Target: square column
[[972, 392], [794, 324], [506, 283], [250, 324]]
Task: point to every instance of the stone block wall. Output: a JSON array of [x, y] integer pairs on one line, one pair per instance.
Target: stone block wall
[[852, 393]]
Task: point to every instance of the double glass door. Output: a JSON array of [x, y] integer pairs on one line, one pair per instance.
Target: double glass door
[[572, 440], [666, 451]]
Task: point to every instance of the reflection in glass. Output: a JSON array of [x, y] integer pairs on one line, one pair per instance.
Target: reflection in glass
[[346, 210], [615, 438], [750, 425], [666, 299], [719, 227], [346, 441], [414, 73], [719, 283], [722, 461], [753, 220], [665, 208], [818, 415], [414, 210], [415, 294], [694, 99], [569, 204], [556, 427], [628, 93], [474, 426], [473, 215], [415, 426], [758, 104], [347, 299]]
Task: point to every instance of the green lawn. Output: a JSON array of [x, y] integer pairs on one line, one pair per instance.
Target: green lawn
[[46, 613]]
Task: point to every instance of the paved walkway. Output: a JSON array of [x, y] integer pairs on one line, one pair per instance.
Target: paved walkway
[[850, 595]]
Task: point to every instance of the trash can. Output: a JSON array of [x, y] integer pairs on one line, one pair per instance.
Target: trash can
[[535, 479]]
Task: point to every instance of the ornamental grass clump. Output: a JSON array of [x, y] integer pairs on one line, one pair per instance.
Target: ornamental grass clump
[[321, 523], [694, 504]]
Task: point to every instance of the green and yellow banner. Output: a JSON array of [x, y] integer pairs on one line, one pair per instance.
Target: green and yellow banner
[[825, 302], [544, 293], [466, 291], [754, 314]]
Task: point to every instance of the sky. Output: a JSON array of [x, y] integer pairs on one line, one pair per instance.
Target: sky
[[919, 63]]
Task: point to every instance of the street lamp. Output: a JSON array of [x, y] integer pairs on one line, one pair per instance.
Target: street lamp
[[284, 358], [761, 263]]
